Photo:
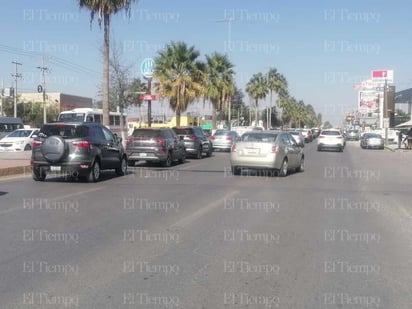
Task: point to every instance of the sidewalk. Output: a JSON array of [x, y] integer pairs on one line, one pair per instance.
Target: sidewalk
[[13, 163]]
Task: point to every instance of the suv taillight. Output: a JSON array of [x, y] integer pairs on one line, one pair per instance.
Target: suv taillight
[[36, 144], [81, 144], [161, 141], [193, 137], [229, 138]]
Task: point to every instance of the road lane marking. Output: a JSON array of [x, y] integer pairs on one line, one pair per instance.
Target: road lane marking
[[182, 223]]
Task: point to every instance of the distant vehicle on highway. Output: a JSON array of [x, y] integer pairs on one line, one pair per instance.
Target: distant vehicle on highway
[[268, 150], [224, 139], [195, 140], [353, 135], [372, 140], [18, 140], [9, 124], [155, 145], [331, 139]]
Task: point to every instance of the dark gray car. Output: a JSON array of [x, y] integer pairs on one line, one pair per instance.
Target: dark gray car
[[76, 150], [196, 141], [155, 145]]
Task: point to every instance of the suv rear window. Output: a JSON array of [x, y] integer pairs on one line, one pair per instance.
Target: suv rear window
[[330, 133], [65, 131], [146, 133], [183, 131]]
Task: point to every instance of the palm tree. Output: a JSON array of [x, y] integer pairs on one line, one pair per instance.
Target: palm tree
[[220, 85], [179, 75], [276, 84], [257, 89], [104, 9], [135, 89]]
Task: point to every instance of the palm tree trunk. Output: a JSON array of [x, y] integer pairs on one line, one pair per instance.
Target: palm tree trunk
[[256, 113], [178, 113], [214, 117], [106, 21]]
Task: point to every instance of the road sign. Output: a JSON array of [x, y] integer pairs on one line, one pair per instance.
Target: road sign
[[147, 67], [383, 75], [39, 88], [148, 97]]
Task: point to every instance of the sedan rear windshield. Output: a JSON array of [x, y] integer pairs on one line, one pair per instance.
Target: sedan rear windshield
[[146, 133], [259, 137], [65, 131]]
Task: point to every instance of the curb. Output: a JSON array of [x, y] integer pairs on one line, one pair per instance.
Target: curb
[[15, 170]]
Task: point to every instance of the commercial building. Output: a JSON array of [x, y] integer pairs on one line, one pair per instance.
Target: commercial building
[[63, 101]]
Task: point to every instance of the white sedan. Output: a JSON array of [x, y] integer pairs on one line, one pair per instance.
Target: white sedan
[[18, 140]]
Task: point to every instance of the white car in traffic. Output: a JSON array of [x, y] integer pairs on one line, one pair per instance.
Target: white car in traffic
[[18, 140]]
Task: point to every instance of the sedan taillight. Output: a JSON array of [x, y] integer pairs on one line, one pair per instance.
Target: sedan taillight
[[275, 149]]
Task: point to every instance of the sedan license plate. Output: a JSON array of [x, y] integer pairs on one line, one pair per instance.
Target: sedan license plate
[[252, 151], [55, 168], [143, 154]]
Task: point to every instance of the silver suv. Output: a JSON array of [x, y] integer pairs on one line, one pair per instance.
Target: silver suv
[[196, 141]]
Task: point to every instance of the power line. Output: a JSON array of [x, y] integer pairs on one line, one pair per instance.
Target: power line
[[56, 60]]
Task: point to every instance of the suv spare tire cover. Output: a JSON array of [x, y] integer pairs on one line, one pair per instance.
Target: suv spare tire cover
[[53, 148]]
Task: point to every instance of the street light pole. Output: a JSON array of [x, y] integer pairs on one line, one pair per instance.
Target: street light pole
[[16, 76], [43, 70]]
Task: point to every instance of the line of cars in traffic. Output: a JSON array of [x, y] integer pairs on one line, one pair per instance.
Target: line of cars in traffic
[[82, 150]]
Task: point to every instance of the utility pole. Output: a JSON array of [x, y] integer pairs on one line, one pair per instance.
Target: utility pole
[[16, 76], [43, 70]]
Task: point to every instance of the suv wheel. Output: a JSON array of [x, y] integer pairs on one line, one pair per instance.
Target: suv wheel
[[301, 167], [27, 147], [94, 174], [199, 153], [168, 161], [38, 175], [210, 151], [122, 169], [182, 158]]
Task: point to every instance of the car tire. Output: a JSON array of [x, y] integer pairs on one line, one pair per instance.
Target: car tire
[[319, 148], [283, 171], [210, 151], [94, 173], [301, 167], [168, 161], [235, 171], [38, 175], [341, 149], [122, 169], [27, 147], [182, 158], [199, 153]]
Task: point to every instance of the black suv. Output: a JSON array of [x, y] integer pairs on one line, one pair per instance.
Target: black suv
[[77, 150], [196, 141], [155, 145]]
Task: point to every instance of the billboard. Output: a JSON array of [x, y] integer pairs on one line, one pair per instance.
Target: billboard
[[368, 101]]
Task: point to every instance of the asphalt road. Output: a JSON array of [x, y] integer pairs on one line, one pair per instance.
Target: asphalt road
[[196, 237]]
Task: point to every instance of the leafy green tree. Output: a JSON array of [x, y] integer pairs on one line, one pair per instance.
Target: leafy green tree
[[257, 89], [180, 76], [104, 9]]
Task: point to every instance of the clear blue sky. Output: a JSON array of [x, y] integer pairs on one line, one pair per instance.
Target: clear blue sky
[[323, 48]]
